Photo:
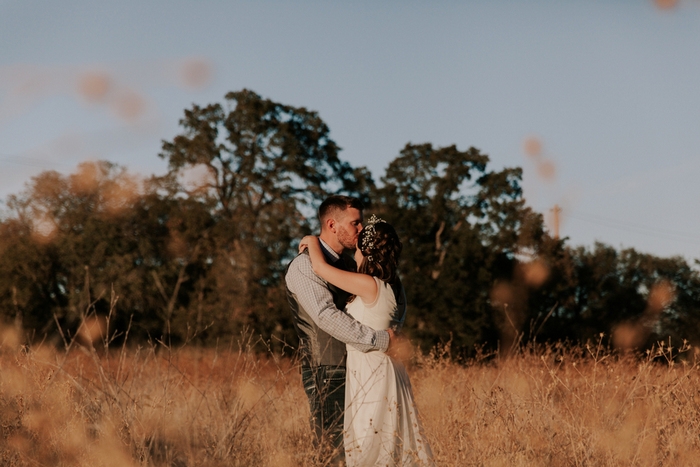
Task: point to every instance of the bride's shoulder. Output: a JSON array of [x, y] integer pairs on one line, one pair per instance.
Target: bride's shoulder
[[384, 288]]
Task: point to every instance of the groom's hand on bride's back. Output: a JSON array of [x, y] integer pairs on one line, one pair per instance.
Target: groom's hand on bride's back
[[399, 346]]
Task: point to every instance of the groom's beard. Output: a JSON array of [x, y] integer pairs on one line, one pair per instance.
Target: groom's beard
[[346, 239]]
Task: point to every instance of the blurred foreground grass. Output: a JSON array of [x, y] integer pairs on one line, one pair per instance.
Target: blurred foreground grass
[[159, 406]]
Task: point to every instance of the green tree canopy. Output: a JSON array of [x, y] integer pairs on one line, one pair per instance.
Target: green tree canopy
[[462, 226], [201, 250]]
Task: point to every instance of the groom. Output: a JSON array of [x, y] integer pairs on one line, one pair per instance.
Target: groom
[[322, 325]]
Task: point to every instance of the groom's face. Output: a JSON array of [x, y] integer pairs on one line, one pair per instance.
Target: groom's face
[[348, 226]]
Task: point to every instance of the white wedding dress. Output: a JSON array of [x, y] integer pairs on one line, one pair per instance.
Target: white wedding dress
[[381, 421]]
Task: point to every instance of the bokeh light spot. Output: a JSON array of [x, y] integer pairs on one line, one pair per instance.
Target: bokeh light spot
[[94, 86], [92, 329], [44, 228], [660, 296], [532, 146], [666, 4], [535, 273], [130, 106], [195, 73], [546, 170]]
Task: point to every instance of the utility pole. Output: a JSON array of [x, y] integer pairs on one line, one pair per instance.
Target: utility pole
[[556, 210]]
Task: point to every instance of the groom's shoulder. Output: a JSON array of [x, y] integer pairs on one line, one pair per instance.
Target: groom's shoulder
[[300, 274], [300, 264]]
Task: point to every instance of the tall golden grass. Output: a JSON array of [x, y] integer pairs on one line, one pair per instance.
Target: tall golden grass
[[162, 406]]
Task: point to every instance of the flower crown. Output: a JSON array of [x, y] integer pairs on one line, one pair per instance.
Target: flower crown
[[368, 236]]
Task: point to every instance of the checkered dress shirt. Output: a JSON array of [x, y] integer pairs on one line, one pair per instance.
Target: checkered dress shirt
[[314, 296]]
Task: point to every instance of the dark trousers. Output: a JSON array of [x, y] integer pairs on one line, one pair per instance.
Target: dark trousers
[[325, 388]]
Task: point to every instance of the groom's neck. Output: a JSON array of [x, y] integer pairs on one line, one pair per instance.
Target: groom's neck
[[332, 242]]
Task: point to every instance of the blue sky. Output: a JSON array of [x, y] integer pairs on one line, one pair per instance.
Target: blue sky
[[609, 88]]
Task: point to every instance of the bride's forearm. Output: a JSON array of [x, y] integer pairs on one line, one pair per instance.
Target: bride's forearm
[[361, 285], [318, 261]]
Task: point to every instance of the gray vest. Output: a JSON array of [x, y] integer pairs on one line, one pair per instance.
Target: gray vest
[[316, 346]]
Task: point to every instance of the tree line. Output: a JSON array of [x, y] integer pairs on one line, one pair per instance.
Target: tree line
[[199, 253]]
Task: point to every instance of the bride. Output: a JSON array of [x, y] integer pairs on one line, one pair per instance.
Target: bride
[[381, 420]]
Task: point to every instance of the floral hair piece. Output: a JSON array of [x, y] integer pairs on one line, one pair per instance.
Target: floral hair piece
[[368, 236]]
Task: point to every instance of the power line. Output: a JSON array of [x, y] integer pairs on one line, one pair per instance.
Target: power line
[[635, 225], [30, 162], [632, 227]]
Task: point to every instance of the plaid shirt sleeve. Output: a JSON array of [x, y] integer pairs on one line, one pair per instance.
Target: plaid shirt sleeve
[[314, 296]]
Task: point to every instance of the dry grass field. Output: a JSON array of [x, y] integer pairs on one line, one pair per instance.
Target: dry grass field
[[160, 406]]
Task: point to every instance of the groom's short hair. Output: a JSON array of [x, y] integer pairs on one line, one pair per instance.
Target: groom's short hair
[[335, 203]]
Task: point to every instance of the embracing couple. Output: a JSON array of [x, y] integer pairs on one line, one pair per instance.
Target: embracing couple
[[346, 310]]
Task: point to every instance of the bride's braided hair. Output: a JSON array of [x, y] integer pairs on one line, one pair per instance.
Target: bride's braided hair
[[380, 245]]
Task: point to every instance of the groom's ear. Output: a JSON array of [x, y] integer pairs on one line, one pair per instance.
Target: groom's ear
[[330, 224]]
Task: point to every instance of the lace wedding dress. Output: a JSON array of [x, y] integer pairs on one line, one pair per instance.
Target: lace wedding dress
[[381, 422]]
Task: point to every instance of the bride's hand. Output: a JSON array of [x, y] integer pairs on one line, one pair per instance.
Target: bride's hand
[[306, 241]]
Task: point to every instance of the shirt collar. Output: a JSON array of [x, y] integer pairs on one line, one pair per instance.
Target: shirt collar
[[328, 251]]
